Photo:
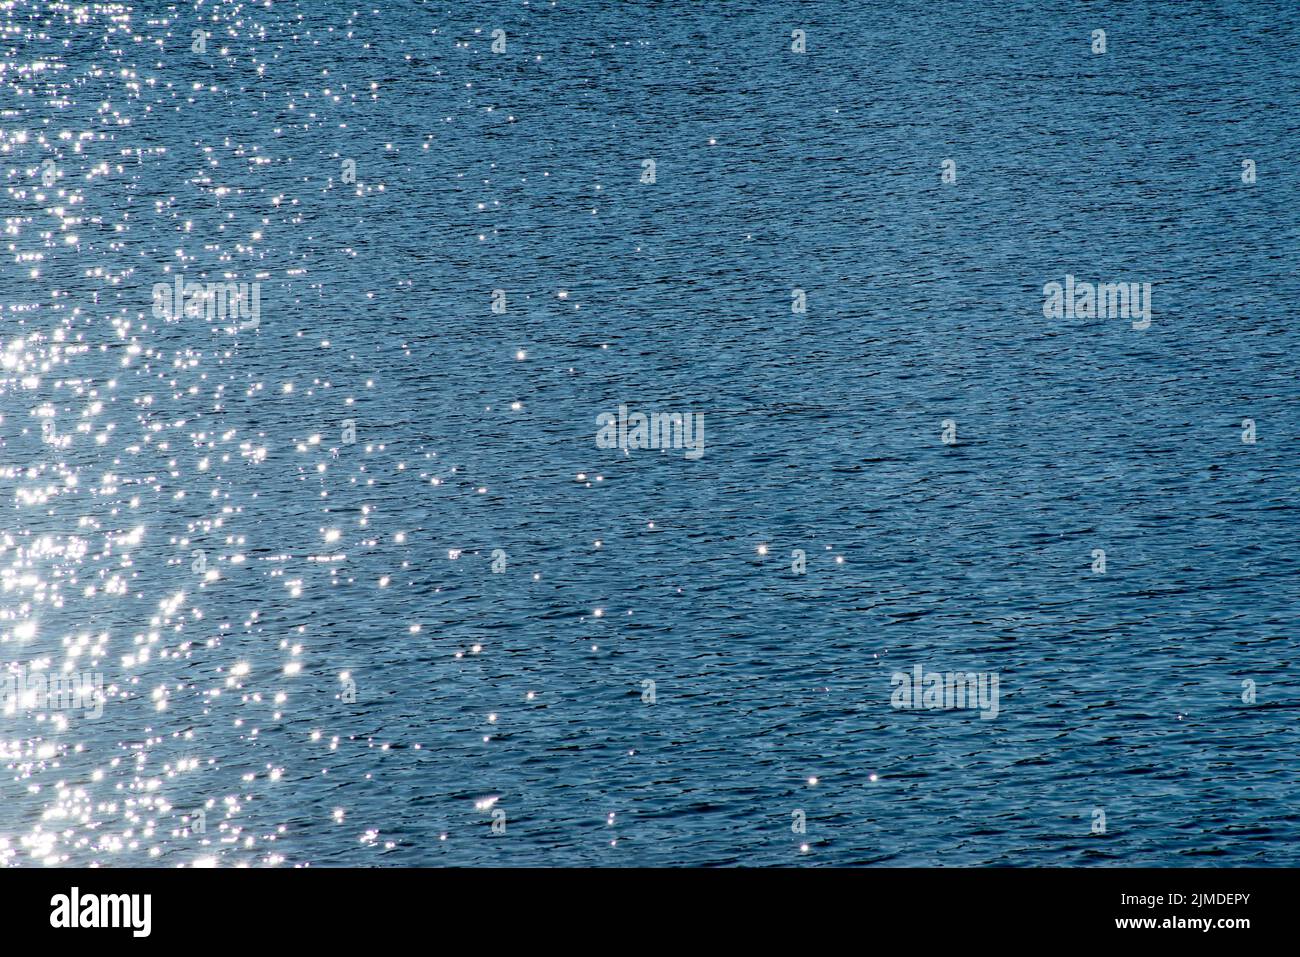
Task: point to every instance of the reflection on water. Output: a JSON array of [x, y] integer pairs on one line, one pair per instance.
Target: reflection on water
[[310, 554]]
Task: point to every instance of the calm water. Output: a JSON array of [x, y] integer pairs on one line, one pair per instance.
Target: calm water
[[303, 637]]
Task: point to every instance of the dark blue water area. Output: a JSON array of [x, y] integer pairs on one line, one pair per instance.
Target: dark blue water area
[[304, 637]]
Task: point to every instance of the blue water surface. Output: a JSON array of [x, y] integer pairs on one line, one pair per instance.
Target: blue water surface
[[306, 654]]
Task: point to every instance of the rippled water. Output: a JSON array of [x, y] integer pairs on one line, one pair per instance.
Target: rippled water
[[304, 638]]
